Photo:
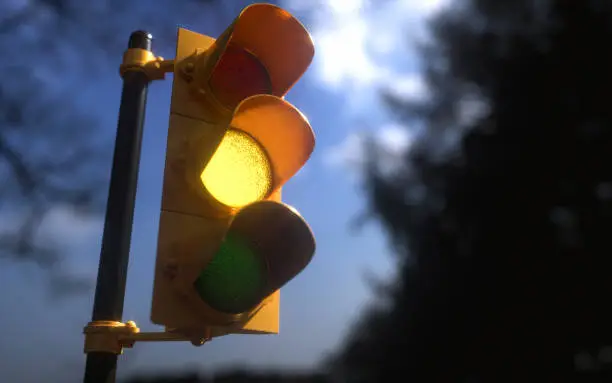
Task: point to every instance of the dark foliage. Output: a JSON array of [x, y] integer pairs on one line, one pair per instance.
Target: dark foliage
[[503, 237], [239, 376]]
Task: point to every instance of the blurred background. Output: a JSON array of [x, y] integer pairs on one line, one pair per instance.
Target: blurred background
[[460, 192]]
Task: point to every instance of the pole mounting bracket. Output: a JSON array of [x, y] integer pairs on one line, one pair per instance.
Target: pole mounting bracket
[[155, 67], [112, 336]]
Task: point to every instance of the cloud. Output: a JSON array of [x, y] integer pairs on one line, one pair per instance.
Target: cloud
[[392, 142], [363, 46], [409, 87], [394, 139], [357, 41], [56, 244], [340, 32], [77, 235], [471, 108], [69, 227], [348, 154]]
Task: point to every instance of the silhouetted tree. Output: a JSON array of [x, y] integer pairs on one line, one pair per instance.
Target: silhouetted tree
[[502, 213]]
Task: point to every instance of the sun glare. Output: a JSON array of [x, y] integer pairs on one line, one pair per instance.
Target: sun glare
[[356, 40]]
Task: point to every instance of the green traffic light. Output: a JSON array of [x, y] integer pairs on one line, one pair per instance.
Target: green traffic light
[[234, 279]]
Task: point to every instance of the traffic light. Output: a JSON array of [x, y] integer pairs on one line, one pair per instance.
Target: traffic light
[[227, 243]]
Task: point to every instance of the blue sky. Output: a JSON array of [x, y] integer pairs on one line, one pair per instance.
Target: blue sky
[[359, 48]]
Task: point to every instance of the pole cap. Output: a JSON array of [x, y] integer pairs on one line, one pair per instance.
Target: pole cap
[[140, 40]]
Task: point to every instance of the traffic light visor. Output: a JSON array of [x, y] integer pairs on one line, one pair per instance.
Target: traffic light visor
[[267, 245], [283, 132], [265, 51]]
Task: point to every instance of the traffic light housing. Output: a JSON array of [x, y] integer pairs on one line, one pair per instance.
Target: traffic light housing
[[226, 242]]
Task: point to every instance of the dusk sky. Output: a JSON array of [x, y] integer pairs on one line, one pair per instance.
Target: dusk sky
[[361, 46]]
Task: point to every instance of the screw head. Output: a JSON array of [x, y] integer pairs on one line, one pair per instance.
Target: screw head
[[171, 269], [130, 323]]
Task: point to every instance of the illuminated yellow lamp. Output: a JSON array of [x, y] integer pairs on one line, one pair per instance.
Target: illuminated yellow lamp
[[239, 171], [267, 142], [280, 129]]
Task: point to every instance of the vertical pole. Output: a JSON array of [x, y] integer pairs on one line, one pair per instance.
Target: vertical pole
[[100, 367]]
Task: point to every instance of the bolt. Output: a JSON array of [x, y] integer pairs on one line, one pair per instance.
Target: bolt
[[198, 341], [170, 269]]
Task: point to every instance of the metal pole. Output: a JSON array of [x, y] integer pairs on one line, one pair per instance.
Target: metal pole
[[100, 367]]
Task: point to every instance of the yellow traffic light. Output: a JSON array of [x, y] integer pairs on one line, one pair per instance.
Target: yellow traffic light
[[226, 242], [267, 142]]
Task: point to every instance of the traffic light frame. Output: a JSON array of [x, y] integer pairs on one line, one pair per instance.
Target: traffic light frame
[[197, 226]]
